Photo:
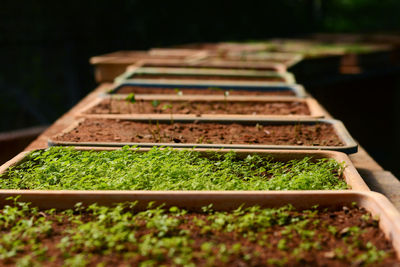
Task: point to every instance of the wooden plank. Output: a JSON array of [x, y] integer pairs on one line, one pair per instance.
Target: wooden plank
[[383, 182]]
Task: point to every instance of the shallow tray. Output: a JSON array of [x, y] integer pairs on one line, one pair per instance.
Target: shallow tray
[[134, 70], [288, 59], [316, 111], [350, 174], [350, 146], [160, 51], [213, 64], [297, 89], [377, 204], [109, 66]]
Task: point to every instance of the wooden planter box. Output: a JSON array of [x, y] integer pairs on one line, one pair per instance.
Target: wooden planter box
[[109, 66], [277, 87], [316, 111], [194, 74], [350, 175], [350, 146], [377, 204]]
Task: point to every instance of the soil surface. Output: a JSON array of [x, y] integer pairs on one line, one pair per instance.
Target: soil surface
[[127, 89], [206, 77], [334, 249], [111, 130], [113, 106]]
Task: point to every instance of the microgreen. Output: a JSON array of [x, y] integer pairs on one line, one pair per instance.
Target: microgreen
[[131, 98], [124, 234], [169, 107], [155, 103], [168, 169]]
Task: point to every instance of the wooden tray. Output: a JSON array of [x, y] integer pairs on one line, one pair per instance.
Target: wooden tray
[[350, 174], [297, 89], [350, 146], [316, 111], [287, 59], [199, 72], [377, 204], [212, 64]]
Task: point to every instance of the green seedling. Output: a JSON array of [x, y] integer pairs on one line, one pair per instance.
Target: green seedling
[[130, 99], [259, 127], [169, 107], [155, 103], [158, 236], [155, 133], [298, 132], [200, 139], [178, 91]]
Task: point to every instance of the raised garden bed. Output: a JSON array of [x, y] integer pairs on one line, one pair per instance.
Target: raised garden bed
[[167, 169], [209, 133], [276, 231], [194, 106], [144, 73], [206, 87]]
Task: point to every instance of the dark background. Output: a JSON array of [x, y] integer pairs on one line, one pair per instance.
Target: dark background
[[45, 47]]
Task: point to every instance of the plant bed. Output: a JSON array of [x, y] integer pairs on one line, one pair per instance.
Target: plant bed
[[213, 64], [137, 89], [201, 132], [260, 235], [178, 169], [185, 106], [183, 87], [144, 73]]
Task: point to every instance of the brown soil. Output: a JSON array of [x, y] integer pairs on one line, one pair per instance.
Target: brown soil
[[259, 253], [109, 130], [206, 77], [109, 106], [127, 89]]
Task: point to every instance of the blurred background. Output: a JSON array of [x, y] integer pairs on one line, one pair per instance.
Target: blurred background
[[45, 48]]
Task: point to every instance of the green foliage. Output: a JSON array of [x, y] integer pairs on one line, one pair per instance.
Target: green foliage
[[159, 235], [168, 169], [155, 103], [131, 98], [166, 106]]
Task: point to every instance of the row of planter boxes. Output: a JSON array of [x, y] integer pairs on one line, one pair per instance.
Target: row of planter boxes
[[263, 122], [193, 201]]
